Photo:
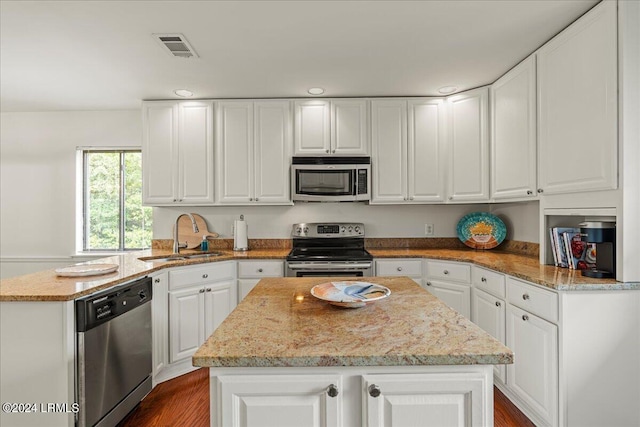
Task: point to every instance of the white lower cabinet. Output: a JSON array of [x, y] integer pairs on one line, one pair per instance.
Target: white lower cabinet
[[489, 313], [411, 268], [200, 298], [533, 376], [160, 322], [451, 283], [398, 396], [250, 273]]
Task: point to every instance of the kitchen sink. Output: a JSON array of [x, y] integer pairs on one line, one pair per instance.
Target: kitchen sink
[[164, 259], [181, 257], [207, 255]]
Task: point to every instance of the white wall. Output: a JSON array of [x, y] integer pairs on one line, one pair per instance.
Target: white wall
[[38, 178]]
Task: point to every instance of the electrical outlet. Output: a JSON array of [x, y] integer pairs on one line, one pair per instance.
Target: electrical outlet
[[428, 229]]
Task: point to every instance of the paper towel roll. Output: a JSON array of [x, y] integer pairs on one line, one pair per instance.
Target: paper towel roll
[[240, 242]]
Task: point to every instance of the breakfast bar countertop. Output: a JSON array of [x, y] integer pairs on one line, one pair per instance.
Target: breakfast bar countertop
[[280, 324]]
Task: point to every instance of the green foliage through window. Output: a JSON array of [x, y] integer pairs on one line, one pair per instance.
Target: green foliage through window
[[114, 218]]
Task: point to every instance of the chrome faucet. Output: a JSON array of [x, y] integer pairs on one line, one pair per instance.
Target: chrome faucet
[[176, 245]]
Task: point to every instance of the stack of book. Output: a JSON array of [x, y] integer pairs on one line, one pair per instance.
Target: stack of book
[[569, 251]]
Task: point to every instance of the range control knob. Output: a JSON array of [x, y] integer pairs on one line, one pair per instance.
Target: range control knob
[[350, 229], [357, 229], [298, 230], [306, 230], [343, 228]]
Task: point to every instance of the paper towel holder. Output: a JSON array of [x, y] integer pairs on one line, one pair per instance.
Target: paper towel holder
[[240, 239]]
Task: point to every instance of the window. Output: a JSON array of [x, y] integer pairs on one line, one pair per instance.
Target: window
[[113, 218]]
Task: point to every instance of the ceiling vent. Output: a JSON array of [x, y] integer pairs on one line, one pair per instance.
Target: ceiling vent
[[176, 45]]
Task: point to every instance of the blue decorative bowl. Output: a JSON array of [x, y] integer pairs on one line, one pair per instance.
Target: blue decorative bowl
[[481, 230]]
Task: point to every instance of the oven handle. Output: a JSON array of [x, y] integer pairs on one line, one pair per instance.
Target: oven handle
[[332, 266]]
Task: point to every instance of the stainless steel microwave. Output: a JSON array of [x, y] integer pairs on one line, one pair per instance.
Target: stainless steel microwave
[[331, 179]]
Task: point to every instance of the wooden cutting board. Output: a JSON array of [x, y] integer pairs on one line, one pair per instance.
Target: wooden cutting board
[[186, 234]]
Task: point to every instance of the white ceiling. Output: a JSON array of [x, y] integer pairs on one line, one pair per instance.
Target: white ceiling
[[96, 55]]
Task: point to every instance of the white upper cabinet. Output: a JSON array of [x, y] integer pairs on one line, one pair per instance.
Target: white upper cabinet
[[426, 157], [331, 127], [577, 89], [513, 133], [468, 146], [408, 151], [177, 150], [253, 146]]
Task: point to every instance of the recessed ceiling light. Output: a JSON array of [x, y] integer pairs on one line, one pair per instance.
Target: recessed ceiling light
[[184, 93], [445, 90], [316, 91]]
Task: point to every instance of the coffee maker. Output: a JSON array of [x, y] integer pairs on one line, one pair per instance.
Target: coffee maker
[[603, 234]]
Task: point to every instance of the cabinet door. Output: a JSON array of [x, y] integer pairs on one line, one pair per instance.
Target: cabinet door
[[469, 146], [349, 127], [446, 399], [513, 136], [219, 300], [160, 321], [312, 127], [389, 151], [534, 374], [426, 145], [234, 144], [578, 119], [277, 400], [245, 286], [489, 313], [272, 154], [186, 322], [195, 158], [159, 152], [455, 296]]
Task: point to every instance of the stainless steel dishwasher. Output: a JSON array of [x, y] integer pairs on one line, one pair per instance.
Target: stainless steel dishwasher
[[113, 368]]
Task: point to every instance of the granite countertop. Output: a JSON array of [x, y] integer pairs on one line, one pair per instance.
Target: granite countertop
[[48, 286], [281, 324]]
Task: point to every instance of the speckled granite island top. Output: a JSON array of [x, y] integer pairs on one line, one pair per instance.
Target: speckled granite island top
[[280, 324]]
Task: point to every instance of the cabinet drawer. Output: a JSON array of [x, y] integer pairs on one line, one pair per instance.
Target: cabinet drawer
[[533, 299], [399, 267], [213, 272], [450, 271], [489, 281], [257, 269]]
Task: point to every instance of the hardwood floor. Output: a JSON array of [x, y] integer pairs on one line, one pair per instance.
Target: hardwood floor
[[184, 401]]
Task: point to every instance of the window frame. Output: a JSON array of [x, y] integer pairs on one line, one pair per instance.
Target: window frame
[[82, 221]]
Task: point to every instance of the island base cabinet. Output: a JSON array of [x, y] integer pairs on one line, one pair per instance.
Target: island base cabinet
[[438, 400], [277, 400], [533, 376]]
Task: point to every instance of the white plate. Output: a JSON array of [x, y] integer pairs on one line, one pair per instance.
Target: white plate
[[350, 294], [86, 270]]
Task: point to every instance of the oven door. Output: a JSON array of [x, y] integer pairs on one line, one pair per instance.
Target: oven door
[[329, 269]]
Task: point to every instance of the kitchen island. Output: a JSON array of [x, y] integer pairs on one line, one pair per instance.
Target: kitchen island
[[284, 357]]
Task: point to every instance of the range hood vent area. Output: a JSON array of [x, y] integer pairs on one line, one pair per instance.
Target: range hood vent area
[[176, 45]]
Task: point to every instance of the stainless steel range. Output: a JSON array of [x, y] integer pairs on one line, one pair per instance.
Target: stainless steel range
[[329, 249]]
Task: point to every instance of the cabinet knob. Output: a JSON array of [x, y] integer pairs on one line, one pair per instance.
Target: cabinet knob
[[450, 197], [411, 198], [498, 304], [204, 276], [175, 200], [484, 279], [525, 297], [428, 283], [374, 390], [157, 280], [540, 190], [332, 390], [208, 289], [334, 151], [201, 291], [446, 272], [327, 151], [259, 270], [256, 199], [529, 192], [525, 317], [399, 269], [179, 200]]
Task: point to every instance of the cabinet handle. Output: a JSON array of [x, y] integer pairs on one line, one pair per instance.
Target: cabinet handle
[[399, 269], [201, 291], [498, 304], [428, 283], [180, 200], [540, 190], [157, 280], [259, 270], [529, 192], [208, 289], [204, 276], [484, 279], [374, 390], [525, 297], [327, 151], [334, 151], [451, 198], [446, 272], [175, 200], [256, 199], [332, 390], [525, 317]]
